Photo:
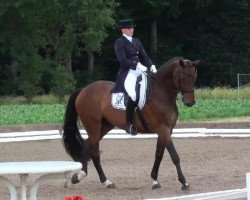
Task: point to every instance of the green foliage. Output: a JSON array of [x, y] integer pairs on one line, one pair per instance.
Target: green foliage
[[12, 100], [244, 92], [29, 75], [214, 109], [53, 113], [8, 82], [63, 82], [41, 99], [210, 105], [223, 93], [94, 31], [31, 114], [20, 39], [85, 77], [224, 56], [37, 36]]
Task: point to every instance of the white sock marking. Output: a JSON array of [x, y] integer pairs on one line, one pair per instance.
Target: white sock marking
[[81, 175], [107, 182]]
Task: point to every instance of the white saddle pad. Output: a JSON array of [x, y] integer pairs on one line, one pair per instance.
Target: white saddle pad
[[117, 99]]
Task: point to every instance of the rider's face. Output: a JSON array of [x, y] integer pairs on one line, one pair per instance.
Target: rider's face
[[128, 31]]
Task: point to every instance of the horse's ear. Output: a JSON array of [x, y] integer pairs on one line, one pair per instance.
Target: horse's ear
[[196, 63], [181, 63]]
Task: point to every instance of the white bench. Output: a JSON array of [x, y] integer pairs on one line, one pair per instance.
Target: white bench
[[52, 169]]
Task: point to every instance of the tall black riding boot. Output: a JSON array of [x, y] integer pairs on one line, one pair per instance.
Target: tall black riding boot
[[130, 116]]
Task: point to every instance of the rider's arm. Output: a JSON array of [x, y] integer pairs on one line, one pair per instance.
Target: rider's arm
[[144, 59]]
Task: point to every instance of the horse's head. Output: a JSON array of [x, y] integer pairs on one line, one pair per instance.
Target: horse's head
[[178, 75], [185, 80]]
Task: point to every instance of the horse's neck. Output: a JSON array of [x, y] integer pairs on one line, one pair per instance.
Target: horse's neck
[[164, 93], [165, 83]]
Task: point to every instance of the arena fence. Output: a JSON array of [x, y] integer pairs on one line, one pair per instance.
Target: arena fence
[[236, 194], [121, 134]]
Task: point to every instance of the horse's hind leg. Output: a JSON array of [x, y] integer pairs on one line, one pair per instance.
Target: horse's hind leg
[[77, 177], [95, 154]]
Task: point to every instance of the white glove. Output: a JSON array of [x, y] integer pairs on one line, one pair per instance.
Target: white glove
[[153, 69], [141, 67]]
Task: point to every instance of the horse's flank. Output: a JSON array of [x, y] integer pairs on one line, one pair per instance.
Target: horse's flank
[[94, 103]]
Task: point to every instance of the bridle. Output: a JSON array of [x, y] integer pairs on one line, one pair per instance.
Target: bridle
[[180, 74], [179, 78]]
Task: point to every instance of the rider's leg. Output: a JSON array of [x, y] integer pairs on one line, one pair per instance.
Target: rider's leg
[[129, 85], [130, 117]]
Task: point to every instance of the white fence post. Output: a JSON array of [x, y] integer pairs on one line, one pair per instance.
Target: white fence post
[[248, 185], [241, 82]]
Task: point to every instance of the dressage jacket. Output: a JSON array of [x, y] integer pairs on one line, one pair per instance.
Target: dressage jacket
[[128, 54]]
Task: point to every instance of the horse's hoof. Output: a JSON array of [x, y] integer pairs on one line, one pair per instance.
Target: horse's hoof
[[156, 186], [111, 186], [74, 179], [185, 187]]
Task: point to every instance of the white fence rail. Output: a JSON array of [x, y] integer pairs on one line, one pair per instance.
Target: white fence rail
[[237, 194], [121, 134]]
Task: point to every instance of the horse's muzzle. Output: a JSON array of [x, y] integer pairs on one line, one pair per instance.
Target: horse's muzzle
[[188, 99], [188, 104]]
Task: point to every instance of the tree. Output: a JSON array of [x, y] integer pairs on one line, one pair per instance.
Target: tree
[[91, 33], [149, 12], [41, 35], [63, 82], [21, 40], [218, 33]]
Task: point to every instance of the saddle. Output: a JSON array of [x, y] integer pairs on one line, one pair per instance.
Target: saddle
[[143, 94]]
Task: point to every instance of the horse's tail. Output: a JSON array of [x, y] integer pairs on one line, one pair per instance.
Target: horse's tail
[[74, 144]]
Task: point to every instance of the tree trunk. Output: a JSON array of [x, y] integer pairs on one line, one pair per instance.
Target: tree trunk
[[69, 64], [13, 69], [90, 61], [153, 46]]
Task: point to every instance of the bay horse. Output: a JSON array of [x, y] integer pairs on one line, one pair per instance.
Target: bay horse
[[92, 105]]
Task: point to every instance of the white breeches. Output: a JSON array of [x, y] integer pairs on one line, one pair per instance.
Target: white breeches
[[130, 82]]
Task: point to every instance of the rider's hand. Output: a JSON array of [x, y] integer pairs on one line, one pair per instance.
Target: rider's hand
[[153, 69], [141, 67]]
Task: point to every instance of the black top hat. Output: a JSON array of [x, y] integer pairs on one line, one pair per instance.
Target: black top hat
[[126, 23]]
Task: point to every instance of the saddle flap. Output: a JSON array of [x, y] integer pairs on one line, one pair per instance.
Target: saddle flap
[[143, 93]]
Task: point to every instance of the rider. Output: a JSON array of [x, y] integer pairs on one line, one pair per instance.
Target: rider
[[133, 62]]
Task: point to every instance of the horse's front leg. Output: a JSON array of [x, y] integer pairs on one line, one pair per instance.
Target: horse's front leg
[[176, 160], [160, 147]]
